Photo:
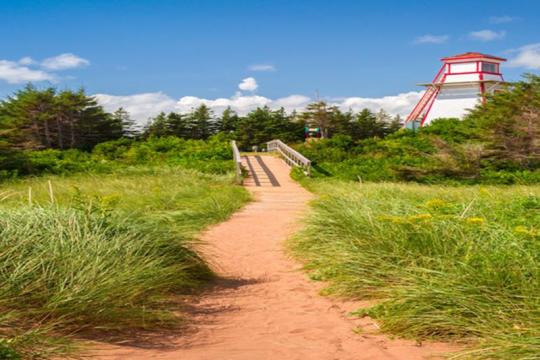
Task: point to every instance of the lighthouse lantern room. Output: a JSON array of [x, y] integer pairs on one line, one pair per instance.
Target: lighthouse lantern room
[[462, 82]]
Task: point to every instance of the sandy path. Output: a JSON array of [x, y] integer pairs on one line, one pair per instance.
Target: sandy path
[[264, 307]]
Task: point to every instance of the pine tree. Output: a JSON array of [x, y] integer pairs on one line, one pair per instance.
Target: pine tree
[[228, 121], [158, 126], [317, 114], [129, 127], [200, 122]]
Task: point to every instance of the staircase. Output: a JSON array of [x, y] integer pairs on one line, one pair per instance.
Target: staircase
[[259, 174], [421, 109]]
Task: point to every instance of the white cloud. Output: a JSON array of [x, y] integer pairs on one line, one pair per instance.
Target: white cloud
[[27, 60], [27, 69], [487, 35], [501, 19], [527, 56], [262, 67], [64, 61], [400, 104], [144, 106], [139, 106], [17, 72], [431, 39], [248, 84]]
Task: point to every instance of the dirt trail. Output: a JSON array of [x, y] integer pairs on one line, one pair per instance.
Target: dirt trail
[[265, 307]]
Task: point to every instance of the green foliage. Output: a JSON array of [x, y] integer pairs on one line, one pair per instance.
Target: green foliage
[[211, 156], [43, 119], [497, 143], [444, 263], [104, 257], [7, 353], [263, 125]]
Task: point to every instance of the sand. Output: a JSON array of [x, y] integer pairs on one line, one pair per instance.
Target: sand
[[264, 306]]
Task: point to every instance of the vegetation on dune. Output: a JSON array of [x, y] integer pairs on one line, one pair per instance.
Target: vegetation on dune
[[106, 253], [497, 143], [444, 263]]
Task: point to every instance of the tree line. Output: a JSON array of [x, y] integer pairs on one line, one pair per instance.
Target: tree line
[[264, 124], [36, 119]]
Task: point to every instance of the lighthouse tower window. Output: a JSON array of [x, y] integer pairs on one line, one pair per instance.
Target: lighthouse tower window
[[489, 67]]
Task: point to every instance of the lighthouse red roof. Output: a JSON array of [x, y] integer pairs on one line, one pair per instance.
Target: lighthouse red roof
[[472, 55]]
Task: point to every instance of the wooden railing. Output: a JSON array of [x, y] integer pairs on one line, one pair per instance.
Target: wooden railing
[[237, 162], [291, 156]]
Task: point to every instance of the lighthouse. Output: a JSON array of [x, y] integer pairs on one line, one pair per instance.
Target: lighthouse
[[462, 82]]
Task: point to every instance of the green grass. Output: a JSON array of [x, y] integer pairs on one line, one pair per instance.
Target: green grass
[[450, 263], [102, 252]]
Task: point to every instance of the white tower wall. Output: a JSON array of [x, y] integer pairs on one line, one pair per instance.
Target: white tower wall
[[453, 102], [460, 85]]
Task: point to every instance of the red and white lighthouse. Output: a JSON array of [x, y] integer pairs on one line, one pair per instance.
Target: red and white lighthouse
[[463, 82]]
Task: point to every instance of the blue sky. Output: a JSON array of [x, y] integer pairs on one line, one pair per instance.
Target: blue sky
[[146, 55]]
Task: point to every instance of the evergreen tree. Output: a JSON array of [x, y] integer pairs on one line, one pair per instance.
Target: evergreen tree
[[158, 126], [39, 119], [200, 122], [229, 121], [511, 124], [177, 125], [129, 127], [365, 125], [318, 114]]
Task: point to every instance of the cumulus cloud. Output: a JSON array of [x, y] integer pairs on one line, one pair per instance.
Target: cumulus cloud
[[27, 69], [487, 35], [140, 106], [431, 39], [527, 56], [501, 19], [64, 61], [27, 60], [18, 72], [400, 104], [248, 84], [262, 67], [144, 106]]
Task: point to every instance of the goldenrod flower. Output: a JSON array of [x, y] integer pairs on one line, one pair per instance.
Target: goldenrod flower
[[420, 217], [520, 229], [476, 220]]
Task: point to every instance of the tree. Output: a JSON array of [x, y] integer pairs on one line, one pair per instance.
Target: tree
[[395, 125], [511, 123], [229, 121], [262, 125], [129, 127], [38, 119], [318, 114], [178, 125], [158, 126], [200, 122], [365, 125]]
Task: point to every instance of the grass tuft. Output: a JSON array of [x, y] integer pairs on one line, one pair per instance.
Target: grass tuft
[[446, 263], [102, 252]]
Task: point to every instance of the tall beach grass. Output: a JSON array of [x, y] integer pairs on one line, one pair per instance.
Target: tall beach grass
[[90, 252], [450, 263]]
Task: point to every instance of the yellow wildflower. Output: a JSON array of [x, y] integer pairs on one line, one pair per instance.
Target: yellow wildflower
[[520, 229], [484, 191], [420, 217], [476, 220]]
